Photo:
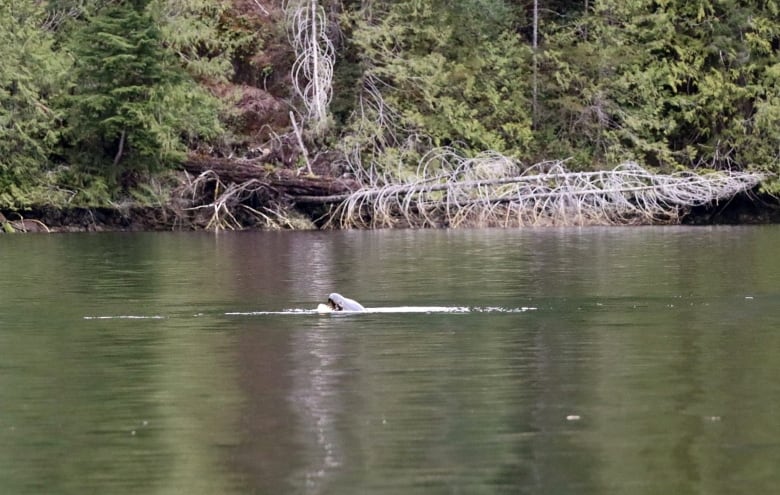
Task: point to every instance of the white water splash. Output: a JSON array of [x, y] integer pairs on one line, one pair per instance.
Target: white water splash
[[324, 310], [394, 309], [126, 317]]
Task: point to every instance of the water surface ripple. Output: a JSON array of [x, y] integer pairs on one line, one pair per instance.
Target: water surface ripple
[[588, 361]]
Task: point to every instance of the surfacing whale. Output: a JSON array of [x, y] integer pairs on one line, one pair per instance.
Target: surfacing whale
[[337, 302]]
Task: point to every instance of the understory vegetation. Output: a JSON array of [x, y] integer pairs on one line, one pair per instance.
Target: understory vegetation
[[102, 101]]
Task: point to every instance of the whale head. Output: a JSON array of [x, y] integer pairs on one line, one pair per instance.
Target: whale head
[[337, 302]]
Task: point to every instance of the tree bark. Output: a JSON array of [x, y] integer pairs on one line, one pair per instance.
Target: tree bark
[[310, 189], [121, 149], [534, 117]]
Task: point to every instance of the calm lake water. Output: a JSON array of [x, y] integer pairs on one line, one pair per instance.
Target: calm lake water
[[593, 361]]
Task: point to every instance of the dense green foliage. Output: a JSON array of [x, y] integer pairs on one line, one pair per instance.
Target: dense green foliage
[[92, 102], [668, 83], [453, 71], [96, 97], [29, 76], [130, 103]]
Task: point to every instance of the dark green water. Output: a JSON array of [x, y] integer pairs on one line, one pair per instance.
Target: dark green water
[[651, 364]]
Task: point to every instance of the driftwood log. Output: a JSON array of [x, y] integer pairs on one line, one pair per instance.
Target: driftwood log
[[284, 183]]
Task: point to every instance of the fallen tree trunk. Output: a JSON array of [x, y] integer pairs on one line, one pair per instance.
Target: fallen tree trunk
[[236, 194], [281, 183], [479, 192], [491, 191]]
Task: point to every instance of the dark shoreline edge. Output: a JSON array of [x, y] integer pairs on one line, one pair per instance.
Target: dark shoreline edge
[[749, 208]]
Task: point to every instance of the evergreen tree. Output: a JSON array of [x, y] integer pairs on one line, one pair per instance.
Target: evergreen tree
[[671, 84], [591, 94], [131, 103], [204, 35], [30, 75], [729, 107], [457, 73]]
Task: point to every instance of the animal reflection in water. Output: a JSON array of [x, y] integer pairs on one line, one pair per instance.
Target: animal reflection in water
[[337, 302]]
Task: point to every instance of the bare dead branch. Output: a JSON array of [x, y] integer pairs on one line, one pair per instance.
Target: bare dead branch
[[490, 190], [315, 58]]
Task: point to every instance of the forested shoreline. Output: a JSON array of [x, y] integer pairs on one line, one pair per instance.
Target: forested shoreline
[[311, 109]]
